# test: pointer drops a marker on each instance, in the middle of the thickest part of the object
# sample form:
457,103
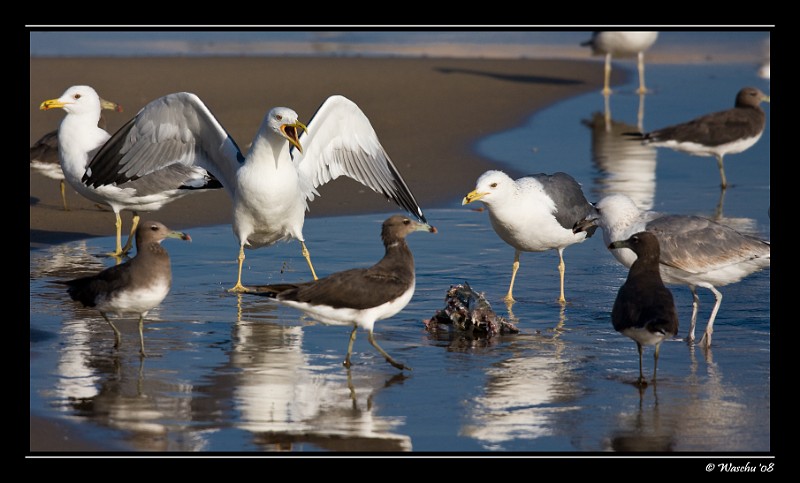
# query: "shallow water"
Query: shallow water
238,373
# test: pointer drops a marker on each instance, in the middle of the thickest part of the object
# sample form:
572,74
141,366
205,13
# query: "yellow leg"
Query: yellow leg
132,235
384,354
509,297
607,76
561,269
118,226
64,195
346,362
141,336
305,253
239,288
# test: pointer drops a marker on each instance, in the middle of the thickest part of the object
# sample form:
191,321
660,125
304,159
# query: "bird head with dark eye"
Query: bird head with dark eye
487,183
284,121
644,244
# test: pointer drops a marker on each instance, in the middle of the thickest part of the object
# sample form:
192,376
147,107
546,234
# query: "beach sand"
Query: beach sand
428,113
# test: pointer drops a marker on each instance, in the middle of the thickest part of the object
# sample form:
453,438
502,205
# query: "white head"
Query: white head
283,122
79,100
617,210
491,185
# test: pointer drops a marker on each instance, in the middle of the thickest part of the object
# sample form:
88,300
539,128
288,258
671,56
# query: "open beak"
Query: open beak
291,131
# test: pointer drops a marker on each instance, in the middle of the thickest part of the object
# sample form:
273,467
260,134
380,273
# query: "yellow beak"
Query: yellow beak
51,104
291,131
472,196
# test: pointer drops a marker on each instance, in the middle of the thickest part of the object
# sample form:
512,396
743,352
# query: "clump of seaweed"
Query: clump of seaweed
469,313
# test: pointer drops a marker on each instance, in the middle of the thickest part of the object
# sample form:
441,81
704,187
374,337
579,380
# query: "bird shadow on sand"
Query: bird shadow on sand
528,79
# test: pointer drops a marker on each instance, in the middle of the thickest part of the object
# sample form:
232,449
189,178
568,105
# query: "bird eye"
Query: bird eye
154,227
406,221
279,117
76,96
493,185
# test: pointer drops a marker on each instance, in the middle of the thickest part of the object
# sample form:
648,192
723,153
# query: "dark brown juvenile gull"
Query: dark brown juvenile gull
716,134
695,251
44,152
644,309
533,214
621,43
360,296
79,140
133,287
272,185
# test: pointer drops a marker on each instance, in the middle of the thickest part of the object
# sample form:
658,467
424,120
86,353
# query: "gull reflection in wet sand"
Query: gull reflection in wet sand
113,389
291,400
706,415
624,165
525,394
65,261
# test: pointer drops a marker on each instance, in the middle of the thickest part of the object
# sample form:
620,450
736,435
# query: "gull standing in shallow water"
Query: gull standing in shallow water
533,214
644,309
716,134
80,140
621,43
360,296
136,286
694,251
272,185
45,159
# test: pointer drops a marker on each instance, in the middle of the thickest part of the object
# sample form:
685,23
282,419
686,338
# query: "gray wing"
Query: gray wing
177,129
696,245
568,196
341,141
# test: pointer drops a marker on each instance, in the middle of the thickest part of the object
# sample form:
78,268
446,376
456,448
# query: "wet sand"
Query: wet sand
427,112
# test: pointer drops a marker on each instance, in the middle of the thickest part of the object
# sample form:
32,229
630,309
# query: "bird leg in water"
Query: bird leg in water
695,307
346,362
371,338
141,336
722,172
307,256
117,335
705,341
387,356
510,298
561,269
642,381
642,89
239,288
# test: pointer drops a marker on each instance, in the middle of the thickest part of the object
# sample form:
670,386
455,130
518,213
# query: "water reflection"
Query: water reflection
525,393
643,430
65,261
288,399
117,392
623,165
